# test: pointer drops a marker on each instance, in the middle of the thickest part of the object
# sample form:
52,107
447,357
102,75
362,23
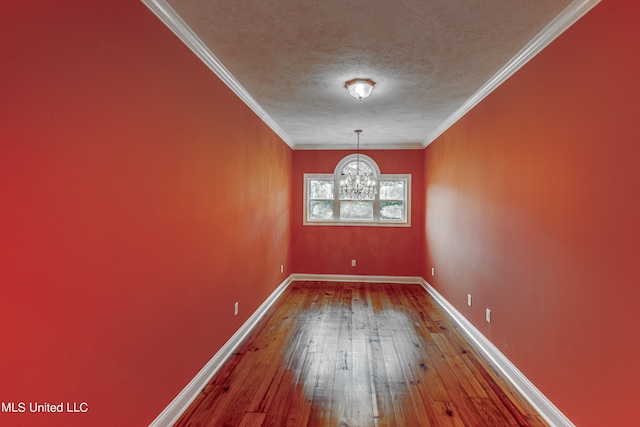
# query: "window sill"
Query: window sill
357,223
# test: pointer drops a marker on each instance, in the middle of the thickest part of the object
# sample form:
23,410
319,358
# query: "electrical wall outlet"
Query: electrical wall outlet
353,263
281,268
433,271
469,300
235,309
488,316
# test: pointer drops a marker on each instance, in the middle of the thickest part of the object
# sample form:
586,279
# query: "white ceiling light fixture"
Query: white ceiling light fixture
360,88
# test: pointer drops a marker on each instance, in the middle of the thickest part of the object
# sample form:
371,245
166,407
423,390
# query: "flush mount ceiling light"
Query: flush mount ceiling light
360,88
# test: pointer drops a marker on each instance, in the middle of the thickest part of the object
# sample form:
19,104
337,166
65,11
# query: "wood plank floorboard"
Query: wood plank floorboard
357,355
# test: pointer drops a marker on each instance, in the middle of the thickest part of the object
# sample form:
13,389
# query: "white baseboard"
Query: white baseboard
356,278
545,408
172,413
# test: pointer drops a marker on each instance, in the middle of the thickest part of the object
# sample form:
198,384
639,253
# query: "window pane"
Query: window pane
356,210
321,209
321,189
392,211
392,190
351,167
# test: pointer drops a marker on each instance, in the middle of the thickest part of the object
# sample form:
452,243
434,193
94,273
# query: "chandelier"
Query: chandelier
357,184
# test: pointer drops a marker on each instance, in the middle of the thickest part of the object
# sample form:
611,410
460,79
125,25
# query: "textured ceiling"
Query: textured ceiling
428,57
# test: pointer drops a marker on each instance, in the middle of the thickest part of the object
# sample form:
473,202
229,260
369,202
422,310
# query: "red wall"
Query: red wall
533,207
140,200
378,250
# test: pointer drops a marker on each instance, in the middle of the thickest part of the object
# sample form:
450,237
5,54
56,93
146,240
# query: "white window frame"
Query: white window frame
336,177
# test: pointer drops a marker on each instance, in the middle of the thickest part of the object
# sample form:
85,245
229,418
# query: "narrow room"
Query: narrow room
424,213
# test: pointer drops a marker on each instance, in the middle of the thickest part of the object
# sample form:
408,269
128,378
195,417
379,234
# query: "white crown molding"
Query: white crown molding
566,19
181,402
175,23
401,146
539,401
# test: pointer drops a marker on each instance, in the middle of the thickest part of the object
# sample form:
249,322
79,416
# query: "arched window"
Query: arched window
326,203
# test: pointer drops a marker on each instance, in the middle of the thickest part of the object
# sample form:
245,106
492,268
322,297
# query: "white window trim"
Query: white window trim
335,176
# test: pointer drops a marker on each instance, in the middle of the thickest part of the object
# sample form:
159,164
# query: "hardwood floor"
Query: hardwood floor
356,354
